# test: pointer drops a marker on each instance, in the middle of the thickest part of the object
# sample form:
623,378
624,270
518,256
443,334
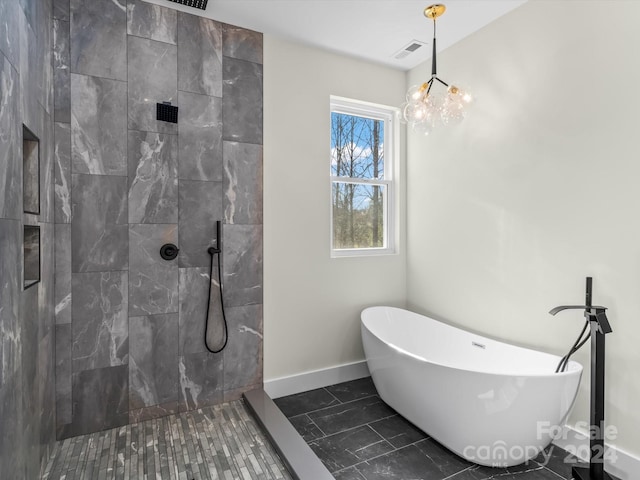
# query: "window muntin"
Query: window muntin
361,173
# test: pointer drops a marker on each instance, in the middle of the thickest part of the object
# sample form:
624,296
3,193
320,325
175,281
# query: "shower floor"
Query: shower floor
358,437
219,442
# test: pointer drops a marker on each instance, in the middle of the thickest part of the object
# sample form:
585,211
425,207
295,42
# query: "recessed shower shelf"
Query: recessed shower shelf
31,172
31,245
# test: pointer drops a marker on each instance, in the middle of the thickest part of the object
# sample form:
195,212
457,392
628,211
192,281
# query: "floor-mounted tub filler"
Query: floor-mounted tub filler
490,402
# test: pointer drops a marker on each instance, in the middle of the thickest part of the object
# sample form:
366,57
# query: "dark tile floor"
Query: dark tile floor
358,437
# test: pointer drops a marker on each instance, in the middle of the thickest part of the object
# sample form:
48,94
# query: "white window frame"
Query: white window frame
390,117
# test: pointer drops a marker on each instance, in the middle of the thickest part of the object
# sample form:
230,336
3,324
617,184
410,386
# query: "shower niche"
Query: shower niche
31,206
31,245
30,172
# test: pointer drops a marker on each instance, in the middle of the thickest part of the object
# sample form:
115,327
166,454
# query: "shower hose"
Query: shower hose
213,252
562,366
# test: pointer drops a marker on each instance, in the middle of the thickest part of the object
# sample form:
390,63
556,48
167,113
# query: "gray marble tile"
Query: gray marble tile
242,183
62,172
153,177
47,163
242,265
200,205
62,295
100,323
153,281
353,390
200,130
99,231
241,43
61,72
243,354
306,402
100,399
10,283
46,293
63,374
200,55
345,449
9,31
10,143
398,431
194,291
31,162
29,103
152,80
242,101
61,10
154,411
348,415
99,38
152,21
201,380
12,459
98,132
305,427
153,362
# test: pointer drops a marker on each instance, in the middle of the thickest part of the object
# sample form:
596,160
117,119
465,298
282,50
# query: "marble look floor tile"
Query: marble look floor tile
308,430
353,390
484,473
305,402
221,442
350,473
410,463
557,460
398,431
347,448
348,415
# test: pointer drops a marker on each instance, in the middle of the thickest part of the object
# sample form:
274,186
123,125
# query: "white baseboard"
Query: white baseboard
617,462
302,382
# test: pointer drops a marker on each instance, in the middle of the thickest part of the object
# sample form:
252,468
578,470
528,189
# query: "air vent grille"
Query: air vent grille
408,49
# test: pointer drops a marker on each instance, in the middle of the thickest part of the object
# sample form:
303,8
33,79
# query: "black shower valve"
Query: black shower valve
169,251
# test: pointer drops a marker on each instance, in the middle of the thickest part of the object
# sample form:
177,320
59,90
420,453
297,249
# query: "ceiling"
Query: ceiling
373,30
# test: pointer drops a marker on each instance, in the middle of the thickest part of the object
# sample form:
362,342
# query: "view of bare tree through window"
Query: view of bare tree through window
357,159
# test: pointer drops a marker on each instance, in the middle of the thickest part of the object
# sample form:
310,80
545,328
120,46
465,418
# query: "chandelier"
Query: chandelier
425,108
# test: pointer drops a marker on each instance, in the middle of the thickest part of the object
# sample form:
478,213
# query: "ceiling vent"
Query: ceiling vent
411,47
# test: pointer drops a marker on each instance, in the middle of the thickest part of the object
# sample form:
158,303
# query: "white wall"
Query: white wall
312,302
537,189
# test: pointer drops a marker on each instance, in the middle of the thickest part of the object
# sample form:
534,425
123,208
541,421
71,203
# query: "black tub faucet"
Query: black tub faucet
593,313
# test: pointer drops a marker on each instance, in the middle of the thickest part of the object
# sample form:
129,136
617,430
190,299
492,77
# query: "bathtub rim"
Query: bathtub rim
575,368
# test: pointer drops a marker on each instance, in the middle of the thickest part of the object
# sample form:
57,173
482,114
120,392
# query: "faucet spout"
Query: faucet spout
555,310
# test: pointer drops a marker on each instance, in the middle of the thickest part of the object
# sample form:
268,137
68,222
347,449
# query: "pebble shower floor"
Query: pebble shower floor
219,442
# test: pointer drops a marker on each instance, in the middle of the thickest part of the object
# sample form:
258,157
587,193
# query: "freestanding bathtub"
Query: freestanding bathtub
492,403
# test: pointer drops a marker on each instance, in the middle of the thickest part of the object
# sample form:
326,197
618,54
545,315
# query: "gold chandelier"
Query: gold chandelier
425,108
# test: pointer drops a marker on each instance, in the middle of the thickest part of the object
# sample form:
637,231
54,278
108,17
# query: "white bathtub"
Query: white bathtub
490,402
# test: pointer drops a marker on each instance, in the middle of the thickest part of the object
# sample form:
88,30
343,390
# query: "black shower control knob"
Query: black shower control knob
169,251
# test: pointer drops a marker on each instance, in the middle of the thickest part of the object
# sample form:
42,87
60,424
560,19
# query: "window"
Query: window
363,138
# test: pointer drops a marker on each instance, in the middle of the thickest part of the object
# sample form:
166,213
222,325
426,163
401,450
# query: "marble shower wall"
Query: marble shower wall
27,412
129,325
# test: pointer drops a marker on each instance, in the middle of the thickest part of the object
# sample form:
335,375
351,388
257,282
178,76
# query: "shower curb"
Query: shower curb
297,456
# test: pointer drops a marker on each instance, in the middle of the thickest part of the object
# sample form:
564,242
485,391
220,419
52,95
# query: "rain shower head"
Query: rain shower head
201,4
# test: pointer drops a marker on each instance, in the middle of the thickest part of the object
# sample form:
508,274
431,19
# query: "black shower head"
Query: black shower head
201,4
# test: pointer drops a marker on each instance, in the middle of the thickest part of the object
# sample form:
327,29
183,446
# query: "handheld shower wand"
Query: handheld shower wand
213,252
